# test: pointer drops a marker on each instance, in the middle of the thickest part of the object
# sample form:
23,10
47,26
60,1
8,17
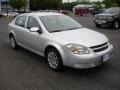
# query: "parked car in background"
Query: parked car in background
2,14
60,39
110,18
64,11
11,14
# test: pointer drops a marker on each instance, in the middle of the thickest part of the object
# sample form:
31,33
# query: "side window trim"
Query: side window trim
26,22
35,19
18,18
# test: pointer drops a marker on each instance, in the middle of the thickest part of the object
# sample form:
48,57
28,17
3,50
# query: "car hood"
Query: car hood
106,14
83,36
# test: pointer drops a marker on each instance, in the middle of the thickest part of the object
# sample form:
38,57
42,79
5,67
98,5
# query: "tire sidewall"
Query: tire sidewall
60,64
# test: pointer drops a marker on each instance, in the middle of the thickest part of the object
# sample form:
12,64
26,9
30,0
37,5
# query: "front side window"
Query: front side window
56,23
32,22
20,21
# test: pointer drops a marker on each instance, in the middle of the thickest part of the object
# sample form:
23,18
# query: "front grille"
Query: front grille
100,47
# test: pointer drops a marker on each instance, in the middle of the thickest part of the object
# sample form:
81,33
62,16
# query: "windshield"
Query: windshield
113,10
57,23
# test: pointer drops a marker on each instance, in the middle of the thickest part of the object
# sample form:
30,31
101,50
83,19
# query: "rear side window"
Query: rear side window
32,22
20,21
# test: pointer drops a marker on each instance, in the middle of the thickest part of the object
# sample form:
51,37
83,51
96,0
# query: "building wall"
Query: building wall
0,6
3,7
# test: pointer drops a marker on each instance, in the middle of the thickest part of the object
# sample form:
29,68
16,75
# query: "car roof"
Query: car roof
42,14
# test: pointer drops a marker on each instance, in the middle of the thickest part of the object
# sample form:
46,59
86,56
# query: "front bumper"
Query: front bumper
88,60
103,22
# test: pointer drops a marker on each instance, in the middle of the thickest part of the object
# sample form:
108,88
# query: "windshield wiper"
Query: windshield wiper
57,31
74,28
65,29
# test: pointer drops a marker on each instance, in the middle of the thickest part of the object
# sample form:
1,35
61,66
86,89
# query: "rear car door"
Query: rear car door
20,29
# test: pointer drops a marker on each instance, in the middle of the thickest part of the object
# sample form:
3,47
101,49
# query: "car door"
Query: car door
20,30
34,40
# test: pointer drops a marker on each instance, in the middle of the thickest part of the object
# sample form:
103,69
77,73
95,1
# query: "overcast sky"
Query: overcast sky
75,0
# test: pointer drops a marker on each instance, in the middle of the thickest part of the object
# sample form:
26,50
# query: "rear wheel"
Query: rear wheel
13,43
54,59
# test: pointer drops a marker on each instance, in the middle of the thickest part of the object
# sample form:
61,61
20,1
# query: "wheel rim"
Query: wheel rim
116,25
52,60
12,41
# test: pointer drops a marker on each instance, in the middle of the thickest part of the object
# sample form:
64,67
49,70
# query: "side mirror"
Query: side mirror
35,29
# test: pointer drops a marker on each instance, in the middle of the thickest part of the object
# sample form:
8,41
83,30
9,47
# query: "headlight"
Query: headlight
110,18
77,49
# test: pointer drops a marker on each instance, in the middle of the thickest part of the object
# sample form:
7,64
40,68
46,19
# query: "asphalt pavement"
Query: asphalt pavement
23,70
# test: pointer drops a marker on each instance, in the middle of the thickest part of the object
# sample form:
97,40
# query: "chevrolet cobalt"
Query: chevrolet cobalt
60,39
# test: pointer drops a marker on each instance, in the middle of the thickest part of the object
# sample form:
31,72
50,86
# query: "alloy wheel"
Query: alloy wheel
52,60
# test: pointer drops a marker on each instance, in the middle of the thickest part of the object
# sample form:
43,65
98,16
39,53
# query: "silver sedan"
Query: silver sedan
60,39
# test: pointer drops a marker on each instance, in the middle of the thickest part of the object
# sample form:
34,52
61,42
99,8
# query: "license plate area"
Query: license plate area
105,57
100,22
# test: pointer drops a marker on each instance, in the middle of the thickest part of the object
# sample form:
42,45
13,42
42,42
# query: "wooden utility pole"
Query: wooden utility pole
59,5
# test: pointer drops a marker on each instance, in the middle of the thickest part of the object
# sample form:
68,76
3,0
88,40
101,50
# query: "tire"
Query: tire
54,59
13,42
98,26
116,25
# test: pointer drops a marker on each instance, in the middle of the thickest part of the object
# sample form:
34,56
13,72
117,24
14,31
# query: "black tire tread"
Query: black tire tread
60,63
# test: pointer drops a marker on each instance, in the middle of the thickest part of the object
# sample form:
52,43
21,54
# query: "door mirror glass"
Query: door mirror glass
34,29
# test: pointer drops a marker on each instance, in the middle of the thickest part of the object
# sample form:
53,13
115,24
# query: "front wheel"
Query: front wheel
98,26
54,59
116,25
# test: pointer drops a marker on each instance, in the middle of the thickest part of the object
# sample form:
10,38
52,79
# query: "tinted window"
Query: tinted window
32,22
20,21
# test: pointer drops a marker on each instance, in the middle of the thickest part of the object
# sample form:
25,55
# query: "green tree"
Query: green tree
69,6
45,4
118,2
115,5
110,3
98,5
18,4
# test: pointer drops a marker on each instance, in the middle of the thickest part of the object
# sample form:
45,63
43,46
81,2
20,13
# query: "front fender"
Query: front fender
12,32
59,47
